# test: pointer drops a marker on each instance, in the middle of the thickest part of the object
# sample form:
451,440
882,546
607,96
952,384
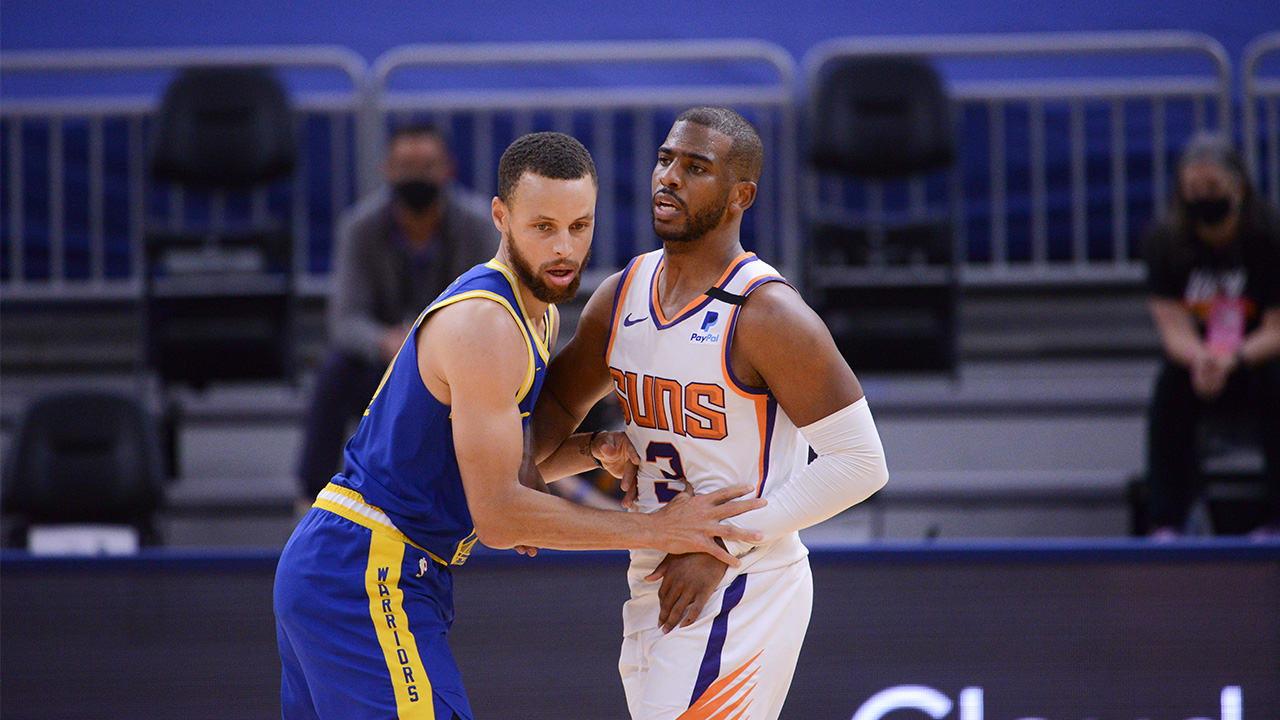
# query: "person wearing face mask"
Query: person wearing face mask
1213,268
395,251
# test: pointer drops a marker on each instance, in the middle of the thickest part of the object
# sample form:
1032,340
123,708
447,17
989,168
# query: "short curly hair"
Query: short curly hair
548,154
746,151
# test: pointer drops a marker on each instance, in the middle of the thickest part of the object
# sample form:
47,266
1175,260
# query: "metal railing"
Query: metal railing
1057,192
113,256
1262,98
621,123
1052,199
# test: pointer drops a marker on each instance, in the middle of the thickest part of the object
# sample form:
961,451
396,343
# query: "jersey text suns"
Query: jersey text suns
692,410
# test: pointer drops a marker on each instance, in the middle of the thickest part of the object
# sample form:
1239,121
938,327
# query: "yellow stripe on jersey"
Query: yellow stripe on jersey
553,324
386,609
464,549
350,504
527,335
387,373
515,290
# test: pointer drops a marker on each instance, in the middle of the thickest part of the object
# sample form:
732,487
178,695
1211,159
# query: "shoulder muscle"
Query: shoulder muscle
474,345
780,343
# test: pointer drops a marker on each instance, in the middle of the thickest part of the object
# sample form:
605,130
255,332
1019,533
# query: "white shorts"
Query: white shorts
736,661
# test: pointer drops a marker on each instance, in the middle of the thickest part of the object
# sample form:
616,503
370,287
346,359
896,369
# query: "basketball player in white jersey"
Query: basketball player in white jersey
725,376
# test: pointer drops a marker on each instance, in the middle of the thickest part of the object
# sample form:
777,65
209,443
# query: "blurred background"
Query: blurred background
168,251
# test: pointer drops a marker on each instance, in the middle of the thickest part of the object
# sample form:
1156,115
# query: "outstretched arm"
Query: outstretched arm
781,344
821,395
472,356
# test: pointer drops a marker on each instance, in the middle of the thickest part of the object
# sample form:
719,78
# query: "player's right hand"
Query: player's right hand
691,523
688,581
619,458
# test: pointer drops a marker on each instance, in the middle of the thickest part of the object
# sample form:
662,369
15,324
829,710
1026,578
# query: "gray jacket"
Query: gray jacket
378,284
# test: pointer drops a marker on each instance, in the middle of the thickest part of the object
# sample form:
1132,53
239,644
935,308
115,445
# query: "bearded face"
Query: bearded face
535,279
698,221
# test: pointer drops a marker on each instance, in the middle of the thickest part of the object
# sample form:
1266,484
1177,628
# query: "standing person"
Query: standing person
396,250
725,375
1213,269
364,589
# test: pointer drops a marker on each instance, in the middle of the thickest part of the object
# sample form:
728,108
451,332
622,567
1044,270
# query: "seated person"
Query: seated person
1213,268
395,250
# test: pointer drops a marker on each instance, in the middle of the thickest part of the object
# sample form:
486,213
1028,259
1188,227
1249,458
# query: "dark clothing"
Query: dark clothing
344,385
1173,452
1226,291
1181,268
380,282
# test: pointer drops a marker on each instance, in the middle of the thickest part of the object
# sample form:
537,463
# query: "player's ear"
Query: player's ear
743,195
501,215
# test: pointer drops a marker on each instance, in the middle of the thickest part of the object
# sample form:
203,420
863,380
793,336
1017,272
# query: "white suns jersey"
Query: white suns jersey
692,421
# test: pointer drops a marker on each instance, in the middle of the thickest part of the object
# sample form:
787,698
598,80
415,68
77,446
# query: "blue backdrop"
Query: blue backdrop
371,28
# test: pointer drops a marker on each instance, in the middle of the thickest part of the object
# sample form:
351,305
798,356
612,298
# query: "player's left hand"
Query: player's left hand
688,581
527,550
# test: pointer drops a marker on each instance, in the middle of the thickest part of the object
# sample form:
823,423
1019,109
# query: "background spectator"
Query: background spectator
397,249
1214,273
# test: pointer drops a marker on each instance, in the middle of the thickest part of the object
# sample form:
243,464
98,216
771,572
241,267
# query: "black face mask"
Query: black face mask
417,195
1209,211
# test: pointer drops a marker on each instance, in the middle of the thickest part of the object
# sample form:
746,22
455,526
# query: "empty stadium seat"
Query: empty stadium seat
882,119
219,301
88,458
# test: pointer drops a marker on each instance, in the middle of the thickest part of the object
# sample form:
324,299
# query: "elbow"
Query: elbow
494,537
493,530
493,533
880,478
873,474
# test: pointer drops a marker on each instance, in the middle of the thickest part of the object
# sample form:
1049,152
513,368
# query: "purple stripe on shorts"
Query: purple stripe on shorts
710,669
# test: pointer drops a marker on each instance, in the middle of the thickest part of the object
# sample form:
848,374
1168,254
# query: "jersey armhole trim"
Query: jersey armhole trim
726,362
619,295
543,350
525,331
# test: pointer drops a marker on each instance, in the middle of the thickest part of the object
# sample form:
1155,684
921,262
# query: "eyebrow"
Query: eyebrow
588,216
696,156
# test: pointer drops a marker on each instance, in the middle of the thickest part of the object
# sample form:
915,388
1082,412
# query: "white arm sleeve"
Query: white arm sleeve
849,469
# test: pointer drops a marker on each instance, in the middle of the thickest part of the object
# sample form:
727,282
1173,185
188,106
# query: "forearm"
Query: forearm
554,448
1263,344
535,519
1181,345
1178,336
573,456
849,469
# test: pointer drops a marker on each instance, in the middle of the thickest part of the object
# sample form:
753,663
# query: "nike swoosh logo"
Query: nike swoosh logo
627,321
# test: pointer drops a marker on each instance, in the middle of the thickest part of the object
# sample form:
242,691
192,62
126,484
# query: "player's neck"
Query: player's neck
689,269
535,309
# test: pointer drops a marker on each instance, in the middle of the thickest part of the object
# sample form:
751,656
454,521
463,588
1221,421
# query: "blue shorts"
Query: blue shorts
362,620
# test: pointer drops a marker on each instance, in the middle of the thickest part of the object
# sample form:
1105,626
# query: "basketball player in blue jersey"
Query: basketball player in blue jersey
364,588
725,376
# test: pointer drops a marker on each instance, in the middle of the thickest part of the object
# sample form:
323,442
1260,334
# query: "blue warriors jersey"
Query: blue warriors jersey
401,459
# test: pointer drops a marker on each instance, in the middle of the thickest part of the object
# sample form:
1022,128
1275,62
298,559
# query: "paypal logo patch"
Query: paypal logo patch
704,334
